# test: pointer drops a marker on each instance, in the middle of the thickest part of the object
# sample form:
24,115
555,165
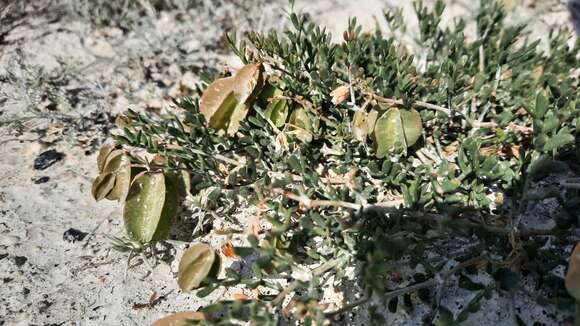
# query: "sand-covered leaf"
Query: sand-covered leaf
144,205
103,185
573,274
180,318
195,265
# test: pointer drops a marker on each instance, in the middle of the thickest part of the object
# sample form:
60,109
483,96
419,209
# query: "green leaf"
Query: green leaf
541,105
562,138
144,206
195,265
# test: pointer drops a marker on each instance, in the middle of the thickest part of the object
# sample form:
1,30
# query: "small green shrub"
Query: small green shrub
372,166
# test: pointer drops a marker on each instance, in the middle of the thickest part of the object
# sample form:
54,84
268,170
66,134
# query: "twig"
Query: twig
394,207
412,288
425,105
315,272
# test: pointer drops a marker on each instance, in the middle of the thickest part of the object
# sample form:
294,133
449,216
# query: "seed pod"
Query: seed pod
277,112
170,206
143,207
180,318
103,185
196,264
396,130
182,180
226,101
302,123
120,167
103,154
359,126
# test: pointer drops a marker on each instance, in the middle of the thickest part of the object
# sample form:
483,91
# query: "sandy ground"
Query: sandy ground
62,81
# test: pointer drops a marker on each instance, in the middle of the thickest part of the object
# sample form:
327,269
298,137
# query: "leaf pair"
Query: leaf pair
115,174
393,132
197,263
152,204
226,101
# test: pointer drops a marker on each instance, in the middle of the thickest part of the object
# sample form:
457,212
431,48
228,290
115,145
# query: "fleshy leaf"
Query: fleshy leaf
195,265
103,185
144,205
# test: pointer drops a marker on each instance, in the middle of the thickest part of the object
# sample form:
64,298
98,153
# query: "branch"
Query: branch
315,272
425,105
395,207
411,288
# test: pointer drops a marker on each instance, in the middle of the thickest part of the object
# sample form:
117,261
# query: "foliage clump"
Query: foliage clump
371,165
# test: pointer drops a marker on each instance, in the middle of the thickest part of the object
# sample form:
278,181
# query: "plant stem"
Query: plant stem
411,288
315,272
425,105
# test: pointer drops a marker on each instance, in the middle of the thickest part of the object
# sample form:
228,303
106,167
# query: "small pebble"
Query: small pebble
41,180
46,159
74,235
20,260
